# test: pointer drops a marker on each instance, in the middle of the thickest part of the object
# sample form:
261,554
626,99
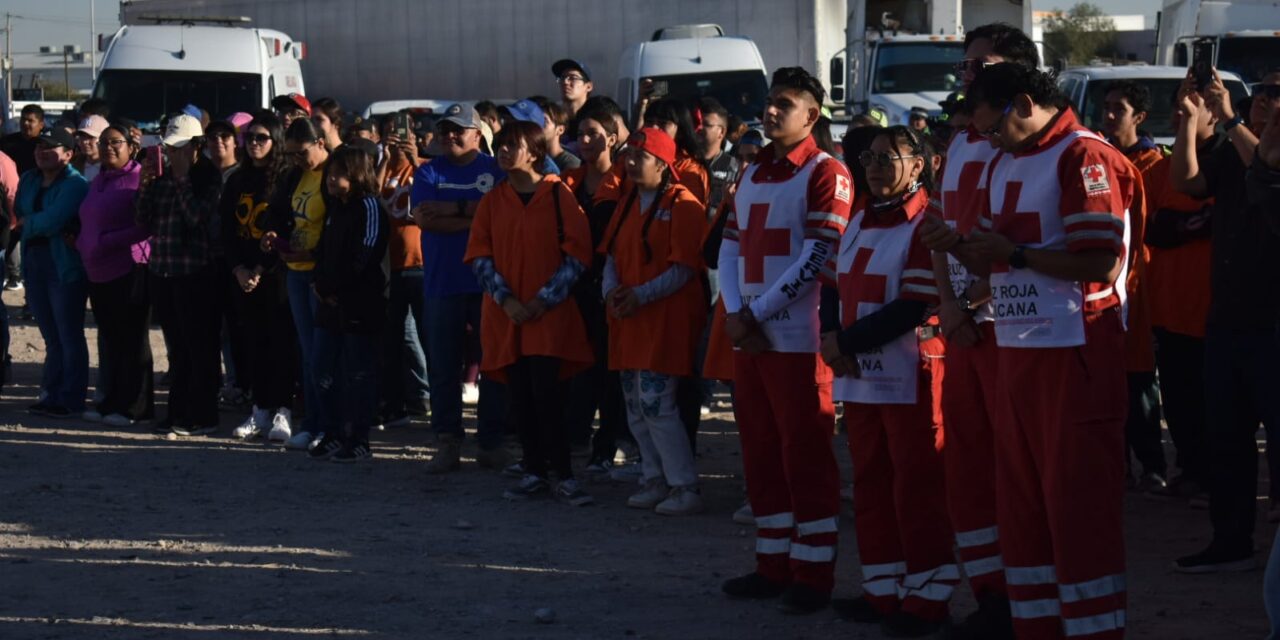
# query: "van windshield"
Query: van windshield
1249,58
914,67
1159,122
146,96
741,92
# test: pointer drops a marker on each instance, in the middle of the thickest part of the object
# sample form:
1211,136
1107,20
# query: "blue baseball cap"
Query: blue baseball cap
527,111
193,111
752,136
567,64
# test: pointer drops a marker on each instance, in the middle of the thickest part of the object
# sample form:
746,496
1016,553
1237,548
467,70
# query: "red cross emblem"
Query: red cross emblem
1022,227
760,242
858,286
953,208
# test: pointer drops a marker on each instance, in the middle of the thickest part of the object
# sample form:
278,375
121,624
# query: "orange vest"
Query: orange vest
1139,348
661,336
524,242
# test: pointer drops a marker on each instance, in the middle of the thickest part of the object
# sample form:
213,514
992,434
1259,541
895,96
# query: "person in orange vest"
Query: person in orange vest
657,309
1124,108
888,360
529,243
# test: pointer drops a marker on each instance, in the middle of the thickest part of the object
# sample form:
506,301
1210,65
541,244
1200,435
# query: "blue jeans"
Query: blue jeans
447,340
404,367
346,373
58,308
302,302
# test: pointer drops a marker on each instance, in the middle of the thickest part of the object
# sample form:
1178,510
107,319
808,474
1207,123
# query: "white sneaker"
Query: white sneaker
281,430
117,420
744,515
470,393
91,416
300,441
683,501
655,490
248,429
627,473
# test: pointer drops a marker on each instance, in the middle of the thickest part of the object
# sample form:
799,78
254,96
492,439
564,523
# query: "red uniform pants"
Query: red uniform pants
786,421
969,402
900,508
1060,468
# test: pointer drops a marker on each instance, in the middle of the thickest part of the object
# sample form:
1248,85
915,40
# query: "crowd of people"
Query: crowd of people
1006,304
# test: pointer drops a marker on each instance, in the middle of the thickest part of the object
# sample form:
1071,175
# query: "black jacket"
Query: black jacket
242,212
352,266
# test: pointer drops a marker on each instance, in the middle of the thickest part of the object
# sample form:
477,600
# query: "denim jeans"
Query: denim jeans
58,308
404,371
4,333
447,320
346,374
302,302
1240,378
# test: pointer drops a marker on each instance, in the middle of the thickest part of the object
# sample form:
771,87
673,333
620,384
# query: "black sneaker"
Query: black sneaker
326,448
514,470
857,610
1217,559
570,492
40,408
752,586
992,621
55,411
194,430
529,486
162,427
906,625
802,599
352,453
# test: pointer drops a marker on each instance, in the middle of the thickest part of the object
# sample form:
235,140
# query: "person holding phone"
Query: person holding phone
260,296
178,208
295,219
657,311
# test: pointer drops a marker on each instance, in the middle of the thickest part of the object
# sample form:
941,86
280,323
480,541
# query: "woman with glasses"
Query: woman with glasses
114,249
888,359
260,297
177,203
295,218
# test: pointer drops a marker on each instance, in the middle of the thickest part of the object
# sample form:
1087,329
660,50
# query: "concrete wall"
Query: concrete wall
372,50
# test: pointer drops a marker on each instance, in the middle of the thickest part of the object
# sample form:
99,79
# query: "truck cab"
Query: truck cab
150,71
1246,34
692,61
905,71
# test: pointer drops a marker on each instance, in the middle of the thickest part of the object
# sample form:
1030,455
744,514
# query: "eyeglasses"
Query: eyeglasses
972,65
570,79
257,138
995,128
884,159
111,144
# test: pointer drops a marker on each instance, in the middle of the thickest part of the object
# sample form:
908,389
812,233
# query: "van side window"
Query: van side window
1180,54
271,89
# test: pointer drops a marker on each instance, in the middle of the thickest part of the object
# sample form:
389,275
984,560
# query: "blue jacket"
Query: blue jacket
60,213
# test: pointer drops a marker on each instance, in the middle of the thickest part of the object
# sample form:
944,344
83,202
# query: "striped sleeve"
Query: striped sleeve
830,199
1097,191
918,282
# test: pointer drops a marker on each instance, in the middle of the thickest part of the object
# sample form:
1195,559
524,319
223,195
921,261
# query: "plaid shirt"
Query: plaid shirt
180,221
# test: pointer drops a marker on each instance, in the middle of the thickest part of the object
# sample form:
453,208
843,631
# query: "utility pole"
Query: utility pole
93,41
8,66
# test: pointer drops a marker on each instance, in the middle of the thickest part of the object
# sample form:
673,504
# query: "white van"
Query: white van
153,70
709,63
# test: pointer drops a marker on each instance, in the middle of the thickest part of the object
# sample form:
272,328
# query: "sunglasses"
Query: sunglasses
972,64
257,138
883,159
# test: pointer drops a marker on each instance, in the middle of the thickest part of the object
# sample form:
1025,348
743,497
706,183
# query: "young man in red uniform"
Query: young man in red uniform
969,395
790,208
1055,248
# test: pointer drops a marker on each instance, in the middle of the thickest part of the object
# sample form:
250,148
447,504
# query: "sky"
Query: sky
59,22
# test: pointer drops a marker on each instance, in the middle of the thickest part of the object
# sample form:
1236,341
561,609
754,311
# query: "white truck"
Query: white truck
155,68
1246,34
902,54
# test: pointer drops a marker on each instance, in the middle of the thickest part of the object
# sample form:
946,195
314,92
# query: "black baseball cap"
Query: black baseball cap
57,137
569,64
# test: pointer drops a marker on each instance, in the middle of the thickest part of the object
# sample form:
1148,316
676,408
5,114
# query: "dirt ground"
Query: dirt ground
123,534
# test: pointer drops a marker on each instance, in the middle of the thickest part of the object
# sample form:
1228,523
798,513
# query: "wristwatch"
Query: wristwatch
966,305
1018,259
1233,123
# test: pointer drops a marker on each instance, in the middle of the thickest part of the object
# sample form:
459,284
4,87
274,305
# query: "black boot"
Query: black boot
907,625
992,621
753,586
801,599
857,610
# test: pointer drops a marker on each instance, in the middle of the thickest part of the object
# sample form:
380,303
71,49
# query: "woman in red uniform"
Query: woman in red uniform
657,310
890,365
529,243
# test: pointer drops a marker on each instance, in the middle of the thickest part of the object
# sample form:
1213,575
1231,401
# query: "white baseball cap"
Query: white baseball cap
93,126
182,128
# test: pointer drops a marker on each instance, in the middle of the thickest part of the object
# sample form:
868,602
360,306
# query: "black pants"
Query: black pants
1241,380
187,307
12,257
1142,429
1180,361
597,388
537,408
264,327
125,347
236,337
